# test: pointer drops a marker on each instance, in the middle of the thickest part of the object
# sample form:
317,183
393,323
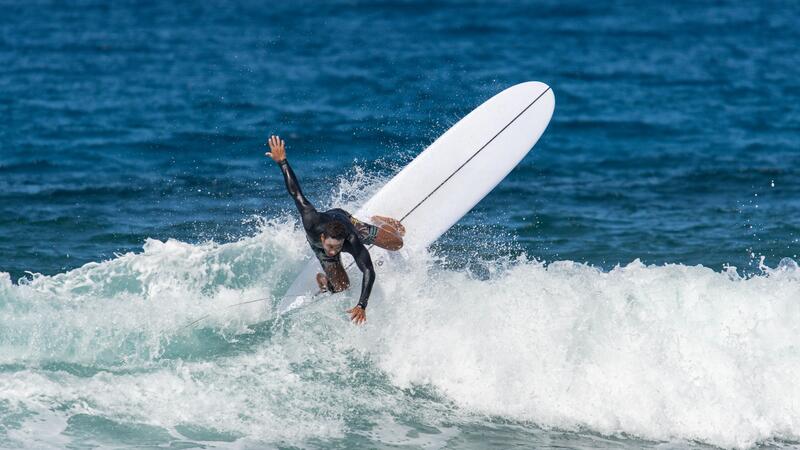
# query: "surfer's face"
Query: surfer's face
332,246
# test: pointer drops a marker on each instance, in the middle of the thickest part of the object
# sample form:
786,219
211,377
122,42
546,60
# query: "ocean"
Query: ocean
632,284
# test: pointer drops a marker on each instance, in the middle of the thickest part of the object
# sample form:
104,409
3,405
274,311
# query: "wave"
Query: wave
660,352
122,310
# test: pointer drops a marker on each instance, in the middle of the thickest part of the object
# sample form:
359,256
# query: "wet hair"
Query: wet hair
335,230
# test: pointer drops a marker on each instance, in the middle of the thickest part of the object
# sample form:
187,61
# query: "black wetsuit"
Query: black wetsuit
358,234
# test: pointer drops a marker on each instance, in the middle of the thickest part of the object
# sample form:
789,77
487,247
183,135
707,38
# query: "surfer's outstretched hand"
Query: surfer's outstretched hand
357,314
277,149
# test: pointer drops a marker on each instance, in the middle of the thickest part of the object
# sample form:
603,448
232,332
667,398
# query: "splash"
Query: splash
665,353
124,310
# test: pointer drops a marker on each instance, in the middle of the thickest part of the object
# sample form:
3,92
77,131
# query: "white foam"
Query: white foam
125,308
662,352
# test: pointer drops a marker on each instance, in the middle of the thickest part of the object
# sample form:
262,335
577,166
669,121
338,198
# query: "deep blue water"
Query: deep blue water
674,141
127,121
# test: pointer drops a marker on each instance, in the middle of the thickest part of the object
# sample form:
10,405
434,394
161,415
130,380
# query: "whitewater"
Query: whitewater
643,353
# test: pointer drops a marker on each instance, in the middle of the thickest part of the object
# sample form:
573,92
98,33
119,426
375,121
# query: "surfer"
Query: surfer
331,232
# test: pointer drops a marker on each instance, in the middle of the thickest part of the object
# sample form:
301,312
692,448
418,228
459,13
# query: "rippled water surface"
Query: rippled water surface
631,284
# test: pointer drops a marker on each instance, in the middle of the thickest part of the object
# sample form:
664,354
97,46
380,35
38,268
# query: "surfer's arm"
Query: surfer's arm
303,205
278,154
364,263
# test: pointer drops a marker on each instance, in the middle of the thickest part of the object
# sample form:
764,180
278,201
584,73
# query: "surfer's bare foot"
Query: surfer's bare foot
322,281
393,225
390,233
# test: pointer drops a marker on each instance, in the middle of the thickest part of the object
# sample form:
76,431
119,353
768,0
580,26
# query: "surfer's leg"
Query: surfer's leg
334,279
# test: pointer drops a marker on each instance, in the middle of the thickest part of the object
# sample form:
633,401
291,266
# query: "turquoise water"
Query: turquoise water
632,284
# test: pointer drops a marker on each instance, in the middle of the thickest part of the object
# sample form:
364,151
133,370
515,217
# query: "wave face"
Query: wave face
529,351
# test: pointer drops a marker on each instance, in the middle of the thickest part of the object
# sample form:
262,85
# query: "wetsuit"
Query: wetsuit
358,234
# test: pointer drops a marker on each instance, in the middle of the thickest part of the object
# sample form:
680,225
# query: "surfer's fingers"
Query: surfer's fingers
354,317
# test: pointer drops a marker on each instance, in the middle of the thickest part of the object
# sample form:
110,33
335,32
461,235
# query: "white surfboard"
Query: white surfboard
451,176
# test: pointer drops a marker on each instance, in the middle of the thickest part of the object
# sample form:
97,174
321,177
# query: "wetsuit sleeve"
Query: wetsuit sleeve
307,211
364,262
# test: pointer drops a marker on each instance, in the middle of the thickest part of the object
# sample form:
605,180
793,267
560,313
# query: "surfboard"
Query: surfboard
450,177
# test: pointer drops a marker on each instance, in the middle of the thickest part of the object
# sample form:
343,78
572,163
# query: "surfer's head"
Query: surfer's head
332,238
